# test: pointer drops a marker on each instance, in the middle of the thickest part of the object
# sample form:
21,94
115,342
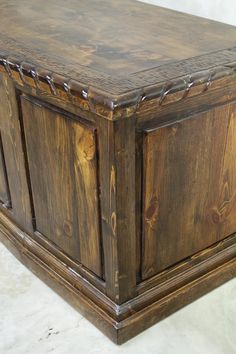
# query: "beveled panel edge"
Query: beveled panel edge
121,97
107,318
167,305
77,297
189,267
149,292
5,203
91,128
51,255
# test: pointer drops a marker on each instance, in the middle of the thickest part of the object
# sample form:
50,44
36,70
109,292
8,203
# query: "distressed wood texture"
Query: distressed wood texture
117,176
63,175
12,152
62,37
117,155
119,323
189,187
4,186
115,69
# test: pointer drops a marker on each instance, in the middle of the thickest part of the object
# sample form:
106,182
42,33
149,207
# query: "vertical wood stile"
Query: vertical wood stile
117,183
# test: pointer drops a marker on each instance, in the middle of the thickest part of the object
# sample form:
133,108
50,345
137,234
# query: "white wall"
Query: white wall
219,10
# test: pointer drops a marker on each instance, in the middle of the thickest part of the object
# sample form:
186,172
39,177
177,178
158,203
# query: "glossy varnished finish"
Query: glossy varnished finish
117,155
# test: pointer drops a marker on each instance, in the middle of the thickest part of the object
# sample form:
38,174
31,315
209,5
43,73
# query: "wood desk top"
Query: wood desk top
115,46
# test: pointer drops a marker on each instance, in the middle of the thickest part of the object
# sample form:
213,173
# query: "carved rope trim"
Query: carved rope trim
102,103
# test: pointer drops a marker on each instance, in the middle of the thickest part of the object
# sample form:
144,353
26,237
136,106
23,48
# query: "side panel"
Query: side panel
62,158
13,170
5,198
189,187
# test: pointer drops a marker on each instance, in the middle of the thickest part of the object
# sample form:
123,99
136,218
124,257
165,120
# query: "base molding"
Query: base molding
122,322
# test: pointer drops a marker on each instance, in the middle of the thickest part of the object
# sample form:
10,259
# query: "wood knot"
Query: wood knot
89,152
86,147
216,216
152,212
174,128
67,228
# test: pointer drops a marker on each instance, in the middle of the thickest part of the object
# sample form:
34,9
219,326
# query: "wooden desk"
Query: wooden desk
118,154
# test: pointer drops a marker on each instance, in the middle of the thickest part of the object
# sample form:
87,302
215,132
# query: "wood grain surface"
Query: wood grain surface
4,185
137,53
12,149
63,176
117,154
189,187
115,37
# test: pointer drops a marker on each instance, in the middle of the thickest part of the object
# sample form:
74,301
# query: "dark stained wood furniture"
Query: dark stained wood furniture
118,155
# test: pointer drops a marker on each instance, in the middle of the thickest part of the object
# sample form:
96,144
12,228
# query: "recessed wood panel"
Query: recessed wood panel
4,187
14,187
63,173
189,187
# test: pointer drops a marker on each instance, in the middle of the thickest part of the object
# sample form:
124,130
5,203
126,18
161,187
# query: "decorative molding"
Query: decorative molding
120,97
148,291
150,306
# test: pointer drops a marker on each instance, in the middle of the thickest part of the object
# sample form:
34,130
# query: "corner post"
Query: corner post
116,141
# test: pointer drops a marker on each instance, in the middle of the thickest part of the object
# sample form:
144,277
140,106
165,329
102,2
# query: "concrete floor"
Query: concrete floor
35,320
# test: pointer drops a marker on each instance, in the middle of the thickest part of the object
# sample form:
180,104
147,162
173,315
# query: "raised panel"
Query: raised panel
189,187
14,187
62,162
5,198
